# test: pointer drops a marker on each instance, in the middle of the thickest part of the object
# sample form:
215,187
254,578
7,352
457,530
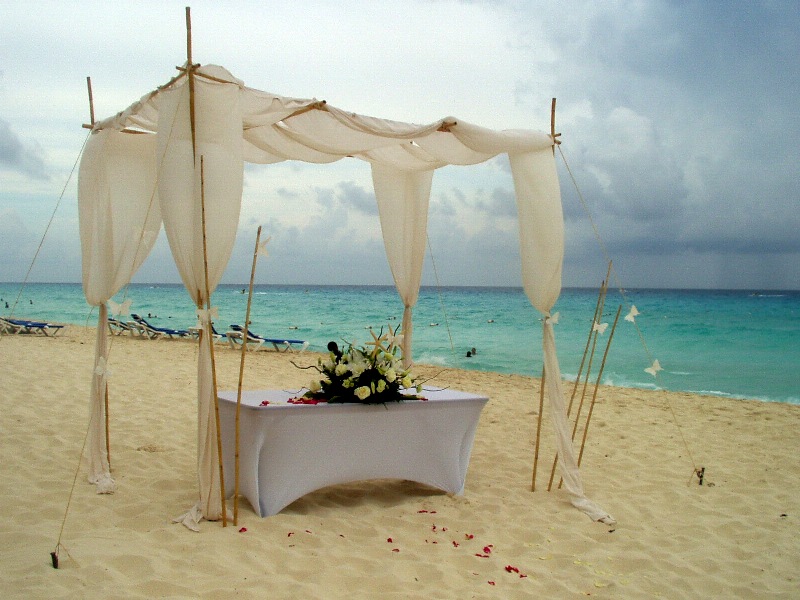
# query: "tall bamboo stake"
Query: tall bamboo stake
595,337
108,441
598,311
597,384
538,431
241,378
210,341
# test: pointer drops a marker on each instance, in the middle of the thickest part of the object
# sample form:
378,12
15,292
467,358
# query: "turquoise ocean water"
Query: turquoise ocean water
738,344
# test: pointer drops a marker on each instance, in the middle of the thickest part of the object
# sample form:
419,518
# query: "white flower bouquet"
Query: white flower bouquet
373,376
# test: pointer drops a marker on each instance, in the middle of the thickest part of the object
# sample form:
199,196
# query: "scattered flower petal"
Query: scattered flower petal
243,529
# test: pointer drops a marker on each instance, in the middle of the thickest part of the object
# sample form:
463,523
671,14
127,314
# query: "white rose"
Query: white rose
341,369
362,392
381,386
348,383
315,387
407,381
390,375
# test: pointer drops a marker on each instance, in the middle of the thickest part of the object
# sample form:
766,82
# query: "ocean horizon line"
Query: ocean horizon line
754,290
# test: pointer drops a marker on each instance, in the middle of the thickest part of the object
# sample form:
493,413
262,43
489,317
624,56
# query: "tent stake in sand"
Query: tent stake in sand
241,377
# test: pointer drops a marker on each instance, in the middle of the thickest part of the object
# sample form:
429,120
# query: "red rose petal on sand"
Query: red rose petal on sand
487,549
243,529
395,549
455,544
469,536
290,534
422,511
491,583
510,569
389,540
265,403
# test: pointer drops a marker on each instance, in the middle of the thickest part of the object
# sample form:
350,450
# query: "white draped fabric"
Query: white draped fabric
236,124
188,204
541,239
402,198
119,222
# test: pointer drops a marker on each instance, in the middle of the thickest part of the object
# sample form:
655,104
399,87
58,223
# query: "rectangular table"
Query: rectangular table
288,450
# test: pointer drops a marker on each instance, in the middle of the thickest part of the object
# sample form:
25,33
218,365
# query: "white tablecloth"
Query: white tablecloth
288,450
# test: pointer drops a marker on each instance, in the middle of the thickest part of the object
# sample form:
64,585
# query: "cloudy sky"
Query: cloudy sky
679,123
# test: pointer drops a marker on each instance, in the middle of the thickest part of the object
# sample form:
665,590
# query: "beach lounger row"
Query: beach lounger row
255,342
12,326
140,327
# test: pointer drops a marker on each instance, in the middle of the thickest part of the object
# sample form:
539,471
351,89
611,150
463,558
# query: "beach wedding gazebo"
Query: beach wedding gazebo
176,157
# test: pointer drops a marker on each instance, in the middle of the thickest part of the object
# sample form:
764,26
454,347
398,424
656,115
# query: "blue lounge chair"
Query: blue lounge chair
117,327
26,326
153,332
236,334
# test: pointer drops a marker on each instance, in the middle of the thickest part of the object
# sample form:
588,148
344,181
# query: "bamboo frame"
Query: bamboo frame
241,378
597,384
210,341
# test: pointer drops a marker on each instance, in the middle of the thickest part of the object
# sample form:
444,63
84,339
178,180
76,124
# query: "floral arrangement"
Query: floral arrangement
366,376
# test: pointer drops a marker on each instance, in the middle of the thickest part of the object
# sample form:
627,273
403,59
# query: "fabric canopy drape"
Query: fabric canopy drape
119,222
541,239
189,205
403,198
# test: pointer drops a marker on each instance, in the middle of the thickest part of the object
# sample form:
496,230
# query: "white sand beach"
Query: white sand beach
737,536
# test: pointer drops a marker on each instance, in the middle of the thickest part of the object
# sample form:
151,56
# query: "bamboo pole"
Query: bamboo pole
91,100
597,312
597,384
538,431
190,74
241,378
108,440
210,341
596,336
553,124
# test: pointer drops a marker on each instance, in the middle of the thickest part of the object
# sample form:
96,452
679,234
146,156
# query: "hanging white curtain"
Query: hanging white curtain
218,135
119,222
403,198
541,241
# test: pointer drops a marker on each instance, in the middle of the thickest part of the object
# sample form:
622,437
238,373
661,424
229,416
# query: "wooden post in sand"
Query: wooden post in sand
241,377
